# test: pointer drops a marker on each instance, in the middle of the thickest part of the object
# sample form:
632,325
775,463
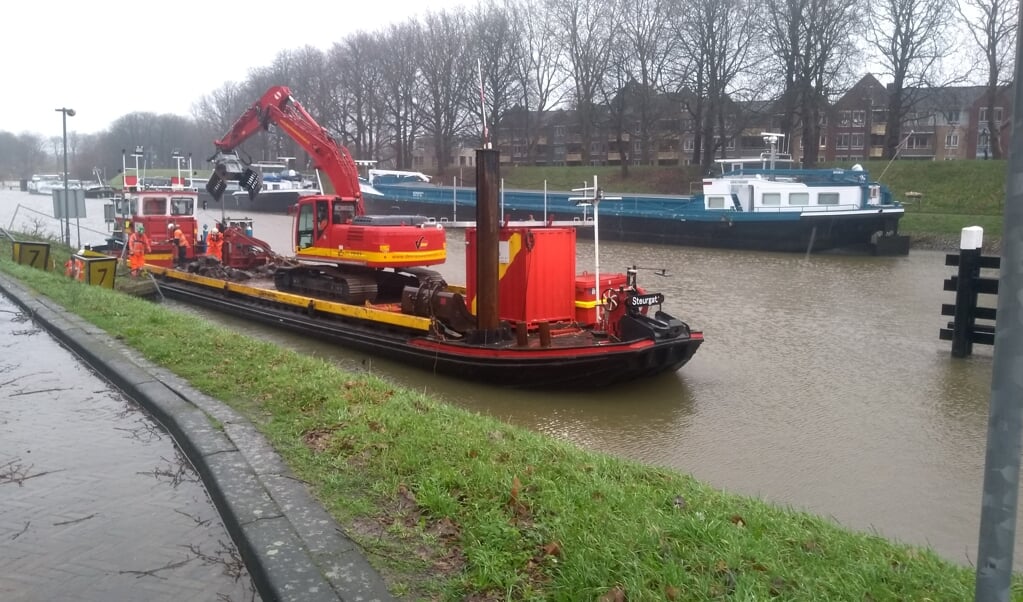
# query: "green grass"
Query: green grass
451,505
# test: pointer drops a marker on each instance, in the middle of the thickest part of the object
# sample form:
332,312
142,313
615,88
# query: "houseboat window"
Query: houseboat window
771,198
715,202
799,198
182,205
154,206
827,198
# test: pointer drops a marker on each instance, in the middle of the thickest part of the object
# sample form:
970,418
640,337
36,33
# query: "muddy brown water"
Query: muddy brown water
822,385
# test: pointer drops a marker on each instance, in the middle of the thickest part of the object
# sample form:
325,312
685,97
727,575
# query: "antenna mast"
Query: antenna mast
483,106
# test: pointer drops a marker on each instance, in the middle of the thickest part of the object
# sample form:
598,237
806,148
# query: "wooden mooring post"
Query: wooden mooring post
963,330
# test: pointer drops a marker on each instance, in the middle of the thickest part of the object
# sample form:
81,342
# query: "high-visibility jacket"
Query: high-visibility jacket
181,238
215,245
138,244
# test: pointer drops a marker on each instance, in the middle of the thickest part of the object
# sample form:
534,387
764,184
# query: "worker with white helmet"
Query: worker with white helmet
178,237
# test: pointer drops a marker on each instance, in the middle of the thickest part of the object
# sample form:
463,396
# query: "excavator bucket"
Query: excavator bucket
251,182
228,167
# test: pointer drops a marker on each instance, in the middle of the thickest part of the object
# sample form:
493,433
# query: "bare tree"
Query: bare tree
401,88
21,155
909,37
220,108
447,74
587,27
356,65
720,36
812,51
648,46
618,94
539,68
995,35
494,36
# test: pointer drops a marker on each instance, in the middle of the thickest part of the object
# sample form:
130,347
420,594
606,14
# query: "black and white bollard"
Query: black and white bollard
970,242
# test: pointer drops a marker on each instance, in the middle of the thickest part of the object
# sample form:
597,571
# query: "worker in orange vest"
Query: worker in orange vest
138,246
80,268
215,244
178,237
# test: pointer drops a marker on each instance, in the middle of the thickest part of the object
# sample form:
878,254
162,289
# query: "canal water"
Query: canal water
822,384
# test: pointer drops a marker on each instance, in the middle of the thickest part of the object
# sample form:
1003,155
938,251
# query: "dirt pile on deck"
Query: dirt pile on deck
211,268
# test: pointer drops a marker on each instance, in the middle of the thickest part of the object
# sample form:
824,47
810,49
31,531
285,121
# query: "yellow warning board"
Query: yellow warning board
99,269
34,254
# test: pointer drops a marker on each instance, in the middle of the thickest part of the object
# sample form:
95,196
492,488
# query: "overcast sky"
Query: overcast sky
107,58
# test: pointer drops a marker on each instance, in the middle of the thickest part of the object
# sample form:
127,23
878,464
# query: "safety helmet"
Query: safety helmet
170,226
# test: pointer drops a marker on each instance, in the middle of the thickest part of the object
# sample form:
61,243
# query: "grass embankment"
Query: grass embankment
454,505
954,194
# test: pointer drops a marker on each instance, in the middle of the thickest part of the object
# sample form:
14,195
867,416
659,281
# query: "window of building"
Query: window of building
952,141
689,143
918,141
842,141
827,198
771,198
998,114
824,141
858,117
856,141
799,198
952,116
843,118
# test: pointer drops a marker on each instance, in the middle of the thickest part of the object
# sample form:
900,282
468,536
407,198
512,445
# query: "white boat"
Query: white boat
45,183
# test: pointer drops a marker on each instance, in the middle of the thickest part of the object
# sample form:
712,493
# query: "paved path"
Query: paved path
96,502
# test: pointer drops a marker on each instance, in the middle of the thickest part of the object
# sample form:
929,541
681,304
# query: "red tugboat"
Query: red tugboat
525,318
156,206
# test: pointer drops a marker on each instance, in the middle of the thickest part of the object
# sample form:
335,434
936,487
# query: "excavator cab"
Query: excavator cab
229,166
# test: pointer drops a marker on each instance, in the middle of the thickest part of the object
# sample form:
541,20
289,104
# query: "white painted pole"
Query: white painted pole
596,252
545,201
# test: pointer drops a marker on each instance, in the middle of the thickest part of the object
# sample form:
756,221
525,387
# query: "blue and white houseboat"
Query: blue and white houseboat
760,203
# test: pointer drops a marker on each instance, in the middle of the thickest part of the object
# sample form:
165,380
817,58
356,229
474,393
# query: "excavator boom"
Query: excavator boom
279,108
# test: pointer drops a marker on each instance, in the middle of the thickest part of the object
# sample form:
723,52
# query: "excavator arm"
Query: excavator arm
277,107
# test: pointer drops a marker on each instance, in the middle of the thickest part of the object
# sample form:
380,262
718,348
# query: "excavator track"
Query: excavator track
355,286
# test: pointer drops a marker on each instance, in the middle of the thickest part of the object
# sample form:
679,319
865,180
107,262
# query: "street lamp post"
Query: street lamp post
65,113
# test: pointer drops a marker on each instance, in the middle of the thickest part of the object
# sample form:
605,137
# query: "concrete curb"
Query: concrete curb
292,547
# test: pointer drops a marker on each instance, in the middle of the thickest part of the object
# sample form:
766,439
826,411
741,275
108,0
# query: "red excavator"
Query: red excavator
344,254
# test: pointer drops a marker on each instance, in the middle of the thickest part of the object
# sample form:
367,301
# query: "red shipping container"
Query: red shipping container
536,271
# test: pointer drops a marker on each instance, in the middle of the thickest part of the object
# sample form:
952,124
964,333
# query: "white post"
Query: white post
971,237
545,202
454,199
501,220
